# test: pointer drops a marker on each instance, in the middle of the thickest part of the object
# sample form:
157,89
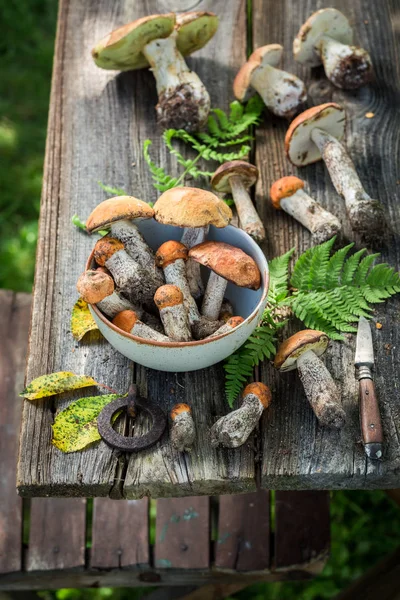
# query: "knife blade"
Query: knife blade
370,419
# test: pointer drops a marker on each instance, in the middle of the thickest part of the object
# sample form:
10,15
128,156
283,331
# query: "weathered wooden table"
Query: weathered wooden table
98,122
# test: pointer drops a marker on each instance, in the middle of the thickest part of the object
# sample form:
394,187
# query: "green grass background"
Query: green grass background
365,525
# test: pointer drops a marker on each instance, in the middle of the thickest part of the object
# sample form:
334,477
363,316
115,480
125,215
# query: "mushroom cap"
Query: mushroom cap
191,207
125,320
169,252
195,29
234,321
117,209
260,390
299,147
179,409
168,295
284,187
327,21
248,174
228,262
94,286
266,55
302,341
105,248
122,48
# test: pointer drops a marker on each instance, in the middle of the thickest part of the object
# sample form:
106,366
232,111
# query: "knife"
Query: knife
370,419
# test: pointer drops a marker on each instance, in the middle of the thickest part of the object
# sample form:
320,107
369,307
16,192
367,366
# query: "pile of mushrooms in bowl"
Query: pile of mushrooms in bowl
174,288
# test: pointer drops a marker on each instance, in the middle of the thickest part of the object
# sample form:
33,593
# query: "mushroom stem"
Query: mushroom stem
365,214
213,296
191,237
321,223
227,327
320,390
183,101
281,92
183,432
347,67
129,277
115,303
234,429
226,311
175,273
250,222
142,330
173,313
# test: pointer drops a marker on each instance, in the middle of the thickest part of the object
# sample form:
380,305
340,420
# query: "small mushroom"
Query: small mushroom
227,263
288,194
159,41
96,287
315,134
226,311
128,320
302,351
173,313
194,209
117,214
183,432
326,38
129,276
281,92
236,177
234,429
227,327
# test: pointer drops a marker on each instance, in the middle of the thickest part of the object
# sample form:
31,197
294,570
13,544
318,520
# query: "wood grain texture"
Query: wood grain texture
297,452
14,325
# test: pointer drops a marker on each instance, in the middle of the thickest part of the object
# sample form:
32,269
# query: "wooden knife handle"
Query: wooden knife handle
370,418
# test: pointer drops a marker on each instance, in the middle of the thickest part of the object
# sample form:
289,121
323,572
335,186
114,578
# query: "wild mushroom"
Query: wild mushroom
98,288
173,313
117,214
183,101
302,351
227,327
315,134
281,92
194,209
183,432
326,38
129,276
236,177
227,263
128,320
226,311
234,429
288,194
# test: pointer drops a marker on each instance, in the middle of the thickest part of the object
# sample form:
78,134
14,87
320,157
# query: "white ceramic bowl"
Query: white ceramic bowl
190,356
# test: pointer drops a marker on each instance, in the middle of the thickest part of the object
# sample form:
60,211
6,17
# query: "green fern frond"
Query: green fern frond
278,278
113,191
161,180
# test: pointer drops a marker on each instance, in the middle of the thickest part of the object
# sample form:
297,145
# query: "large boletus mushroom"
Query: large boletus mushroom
326,38
161,41
302,351
281,92
97,287
316,134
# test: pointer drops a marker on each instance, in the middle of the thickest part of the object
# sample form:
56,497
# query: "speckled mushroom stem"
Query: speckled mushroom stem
213,296
192,237
321,390
183,101
227,327
173,313
282,92
234,429
226,311
115,303
347,67
142,330
175,273
250,222
183,431
366,215
130,278
321,223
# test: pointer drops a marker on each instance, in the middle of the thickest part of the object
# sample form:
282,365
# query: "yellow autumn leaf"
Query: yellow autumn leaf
76,426
81,319
56,383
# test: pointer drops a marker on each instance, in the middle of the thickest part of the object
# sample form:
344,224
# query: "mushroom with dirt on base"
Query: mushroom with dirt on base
288,194
326,38
169,301
227,327
236,177
281,92
315,134
302,351
97,287
161,41
128,320
183,432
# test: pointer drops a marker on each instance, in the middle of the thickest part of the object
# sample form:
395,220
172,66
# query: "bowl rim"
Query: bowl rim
139,340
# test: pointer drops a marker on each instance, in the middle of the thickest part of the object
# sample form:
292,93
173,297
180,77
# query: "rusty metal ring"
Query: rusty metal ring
129,444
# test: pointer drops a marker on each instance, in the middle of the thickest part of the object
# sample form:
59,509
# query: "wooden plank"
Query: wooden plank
183,533
120,533
302,529
297,453
57,534
14,324
243,542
